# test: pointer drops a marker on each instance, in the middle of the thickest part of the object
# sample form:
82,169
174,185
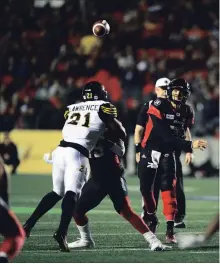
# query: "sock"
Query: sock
169,205
85,232
134,219
80,220
47,202
170,225
148,236
68,206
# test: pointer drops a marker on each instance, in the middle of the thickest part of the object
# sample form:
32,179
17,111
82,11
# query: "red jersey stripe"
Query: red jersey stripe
148,129
154,111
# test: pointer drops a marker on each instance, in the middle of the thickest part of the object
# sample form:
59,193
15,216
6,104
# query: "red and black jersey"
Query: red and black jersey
103,162
165,125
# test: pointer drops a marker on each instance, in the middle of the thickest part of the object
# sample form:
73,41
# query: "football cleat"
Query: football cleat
3,260
81,243
27,230
156,244
170,237
62,241
189,241
180,225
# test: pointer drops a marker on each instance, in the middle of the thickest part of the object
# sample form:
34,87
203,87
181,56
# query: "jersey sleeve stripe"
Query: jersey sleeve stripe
66,114
149,127
154,111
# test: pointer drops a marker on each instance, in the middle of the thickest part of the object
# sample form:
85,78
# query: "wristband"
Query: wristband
138,147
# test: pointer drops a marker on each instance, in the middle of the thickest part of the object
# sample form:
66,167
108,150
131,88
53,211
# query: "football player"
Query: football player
164,119
10,227
184,132
85,123
107,179
192,240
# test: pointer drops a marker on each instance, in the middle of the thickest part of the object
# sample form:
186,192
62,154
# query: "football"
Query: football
101,28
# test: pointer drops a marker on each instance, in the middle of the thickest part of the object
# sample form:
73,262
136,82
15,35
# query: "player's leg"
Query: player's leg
51,198
14,235
192,240
147,169
92,194
157,187
180,195
10,227
76,167
168,192
117,190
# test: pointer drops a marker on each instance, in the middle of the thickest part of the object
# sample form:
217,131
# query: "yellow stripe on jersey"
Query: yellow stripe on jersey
66,114
110,110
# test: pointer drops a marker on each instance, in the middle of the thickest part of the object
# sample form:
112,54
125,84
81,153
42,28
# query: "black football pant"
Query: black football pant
150,161
94,192
180,195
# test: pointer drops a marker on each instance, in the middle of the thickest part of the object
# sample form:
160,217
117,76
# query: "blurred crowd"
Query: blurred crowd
47,54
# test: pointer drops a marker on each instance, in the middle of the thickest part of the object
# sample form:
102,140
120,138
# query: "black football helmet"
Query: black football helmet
181,85
93,91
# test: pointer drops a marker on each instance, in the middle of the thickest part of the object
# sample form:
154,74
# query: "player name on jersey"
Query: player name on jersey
91,107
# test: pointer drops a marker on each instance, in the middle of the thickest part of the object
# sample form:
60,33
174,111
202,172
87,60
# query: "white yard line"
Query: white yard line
94,222
39,234
120,249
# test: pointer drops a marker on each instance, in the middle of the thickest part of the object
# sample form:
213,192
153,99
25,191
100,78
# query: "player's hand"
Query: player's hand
48,158
200,144
188,158
138,157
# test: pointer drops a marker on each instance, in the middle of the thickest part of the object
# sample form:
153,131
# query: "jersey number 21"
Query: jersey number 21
75,118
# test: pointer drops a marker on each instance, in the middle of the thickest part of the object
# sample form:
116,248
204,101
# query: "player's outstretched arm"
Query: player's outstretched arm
166,135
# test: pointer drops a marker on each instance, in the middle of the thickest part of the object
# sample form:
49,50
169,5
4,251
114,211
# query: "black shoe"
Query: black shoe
179,224
3,260
151,221
27,230
61,240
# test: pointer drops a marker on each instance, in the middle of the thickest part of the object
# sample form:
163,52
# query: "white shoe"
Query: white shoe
81,243
189,241
156,244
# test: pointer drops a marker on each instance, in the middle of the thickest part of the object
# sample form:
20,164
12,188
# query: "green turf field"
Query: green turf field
116,240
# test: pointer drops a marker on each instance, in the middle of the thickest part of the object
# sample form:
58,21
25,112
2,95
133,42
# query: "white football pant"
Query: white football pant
70,170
